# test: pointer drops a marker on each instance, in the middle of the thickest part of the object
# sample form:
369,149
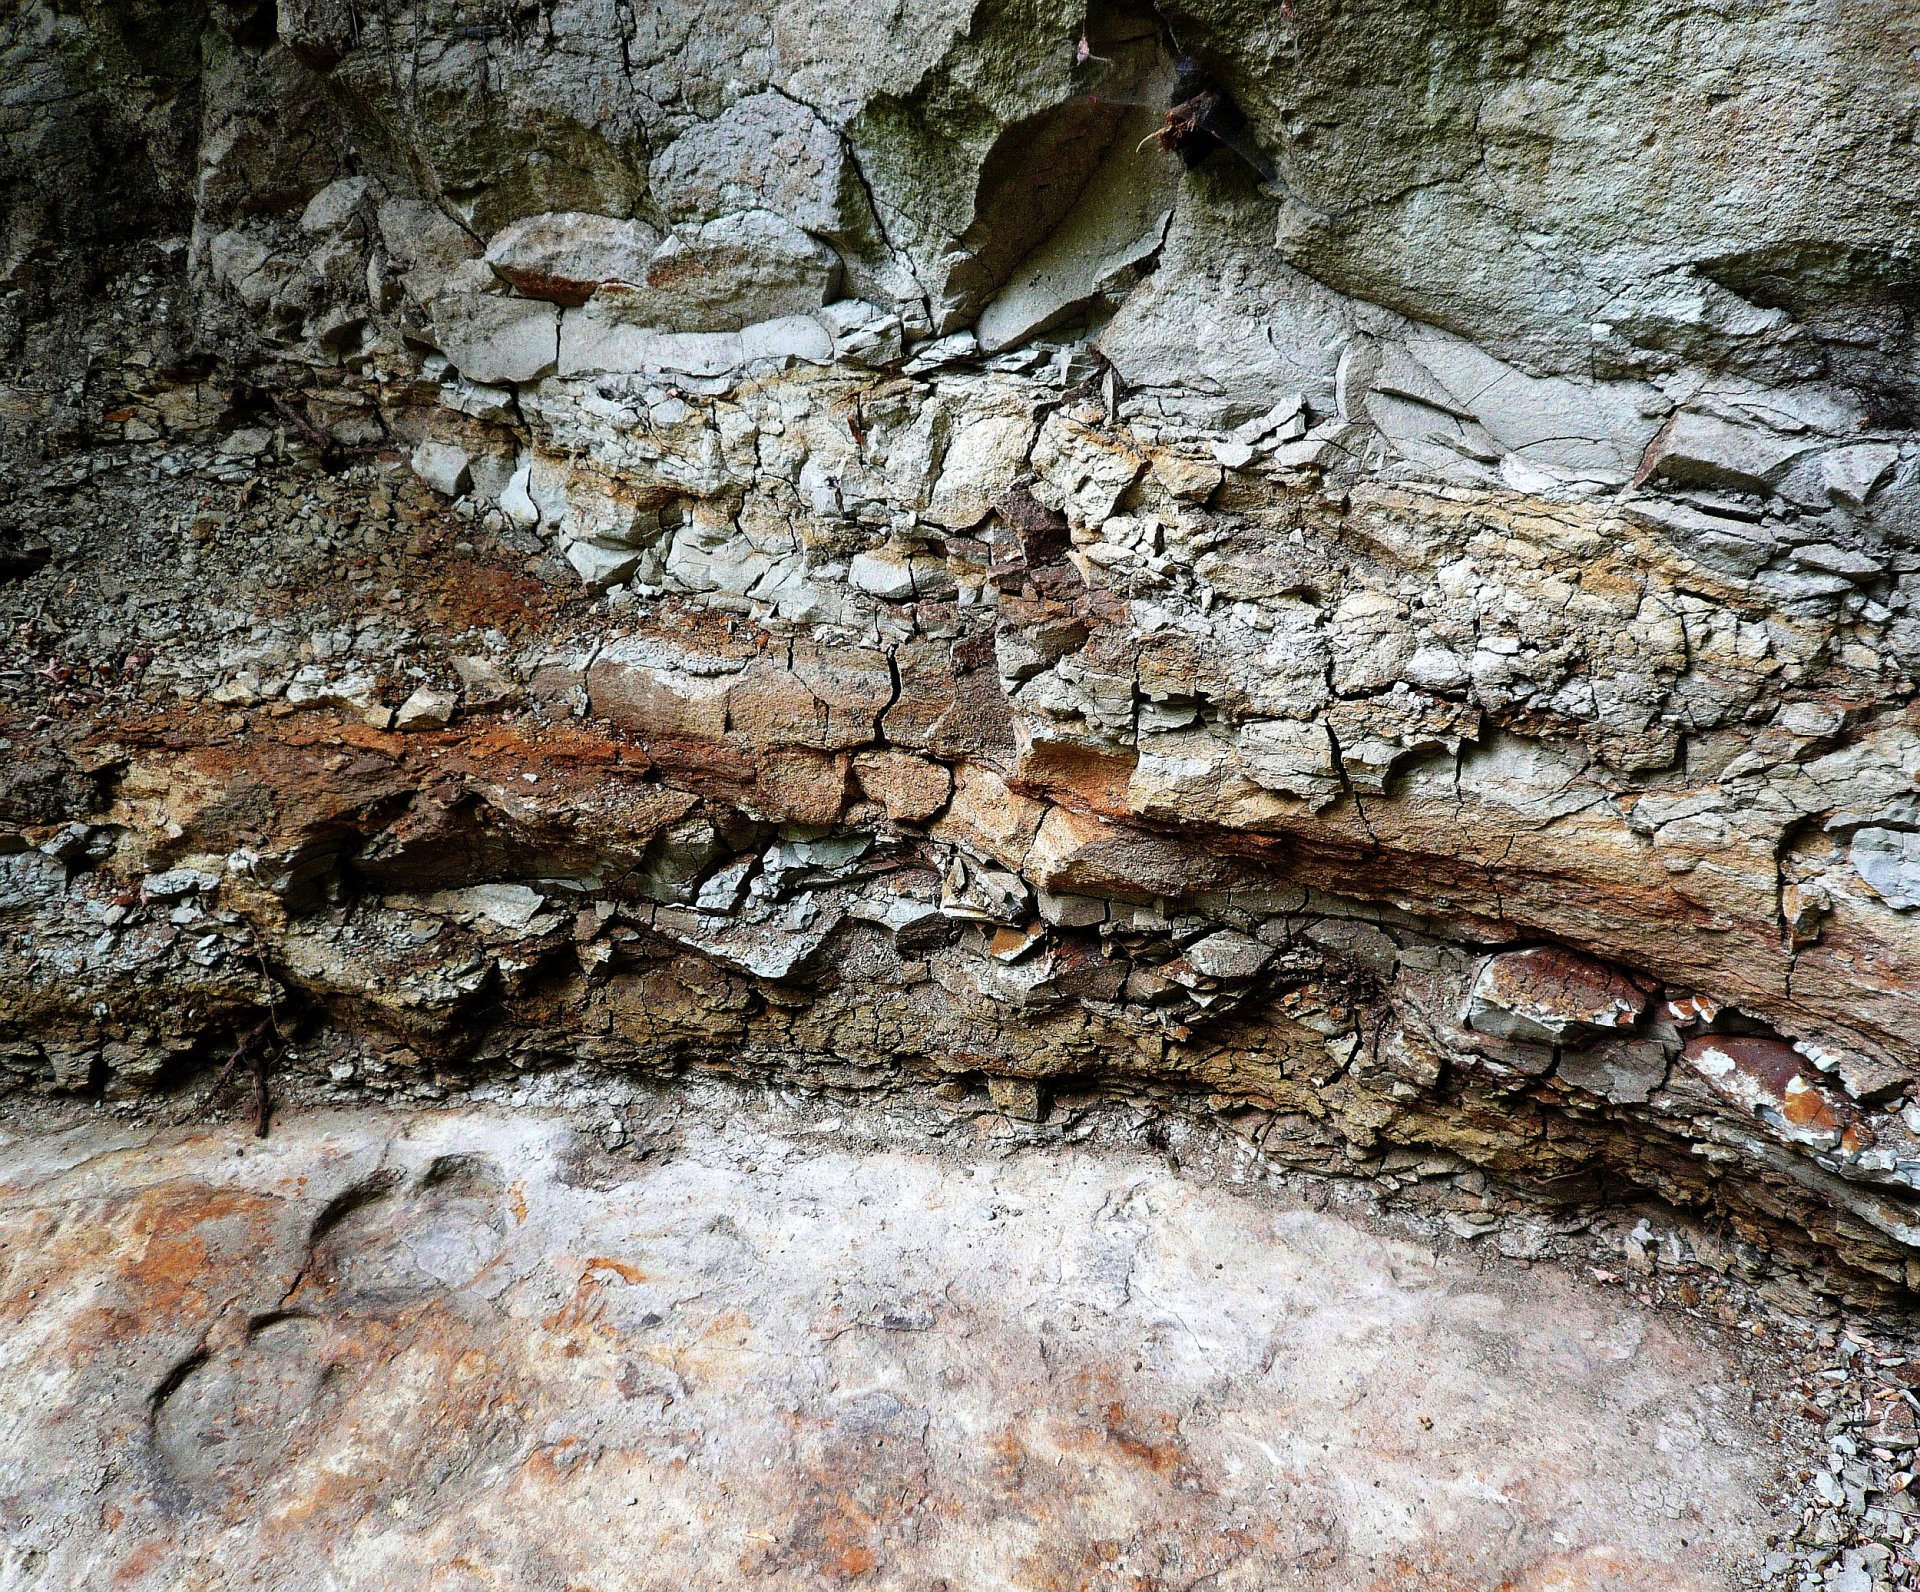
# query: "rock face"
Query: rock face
787,541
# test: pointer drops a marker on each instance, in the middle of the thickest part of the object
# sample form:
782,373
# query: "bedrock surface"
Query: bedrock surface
476,1348
1347,569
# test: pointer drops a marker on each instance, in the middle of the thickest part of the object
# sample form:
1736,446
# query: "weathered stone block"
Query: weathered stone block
444,466
728,273
1706,451
652,701
564,256
1019,1098
1548,995
1772,1080
492,338
912,789
1888,860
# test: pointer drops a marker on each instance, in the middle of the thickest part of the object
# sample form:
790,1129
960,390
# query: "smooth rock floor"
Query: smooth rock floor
472,1349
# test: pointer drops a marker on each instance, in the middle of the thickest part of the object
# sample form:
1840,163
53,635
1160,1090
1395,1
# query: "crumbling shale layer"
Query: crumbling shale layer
676,540
857,874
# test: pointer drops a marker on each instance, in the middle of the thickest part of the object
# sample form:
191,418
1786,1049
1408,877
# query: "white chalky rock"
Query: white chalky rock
565,255
427,709
602,564
516,502
444,466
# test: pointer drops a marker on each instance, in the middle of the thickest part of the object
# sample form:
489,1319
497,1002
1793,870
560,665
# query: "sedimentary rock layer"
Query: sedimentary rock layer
477,1347
1359,563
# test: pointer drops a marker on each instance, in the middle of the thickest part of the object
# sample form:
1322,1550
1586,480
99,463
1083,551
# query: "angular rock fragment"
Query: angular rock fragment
1224,314
1773,1081
1292,756
1868,1079
1118,222
1228,957
778,948
1852,475
565,256
173,883
912,789
1705,450
333,208
1549,996
1732,545
724,890
426,709
983,895
425,242
320,32
1888,861
863,334
444,467
898,575
602,564
484,683
1625,1070
491,338
1834,560
1070,911
1019,1098
1560,430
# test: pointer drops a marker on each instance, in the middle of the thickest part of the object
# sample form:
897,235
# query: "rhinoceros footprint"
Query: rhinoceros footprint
390,1239
244,1410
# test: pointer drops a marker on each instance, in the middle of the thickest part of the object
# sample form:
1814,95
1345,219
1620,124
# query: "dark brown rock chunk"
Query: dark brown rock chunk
1547,995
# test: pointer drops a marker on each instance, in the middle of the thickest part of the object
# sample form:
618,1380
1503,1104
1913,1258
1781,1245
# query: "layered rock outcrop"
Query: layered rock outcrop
810,543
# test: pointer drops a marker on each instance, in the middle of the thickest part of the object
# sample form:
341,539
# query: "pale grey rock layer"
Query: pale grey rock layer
400,1345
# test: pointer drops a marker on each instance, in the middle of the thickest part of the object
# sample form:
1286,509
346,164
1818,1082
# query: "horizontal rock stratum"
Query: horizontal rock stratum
478,1348
1357,567
1335,581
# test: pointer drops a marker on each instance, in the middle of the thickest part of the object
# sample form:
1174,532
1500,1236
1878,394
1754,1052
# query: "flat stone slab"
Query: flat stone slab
477,1349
